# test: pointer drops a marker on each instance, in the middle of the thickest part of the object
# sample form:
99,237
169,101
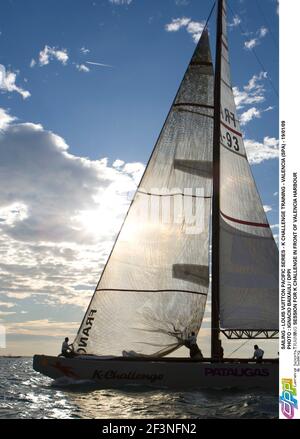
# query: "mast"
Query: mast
215,322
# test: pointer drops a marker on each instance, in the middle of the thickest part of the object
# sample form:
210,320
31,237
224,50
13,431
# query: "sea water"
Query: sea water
25,393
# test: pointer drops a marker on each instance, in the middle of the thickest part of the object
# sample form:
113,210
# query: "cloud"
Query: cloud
50,53
235,22
263,32
18,295
252,93
82,68
194,28
13,213
253,42
258,152
176,24
118,163
275,226
135,170
70,185
253,83
7,313
243,98
8,83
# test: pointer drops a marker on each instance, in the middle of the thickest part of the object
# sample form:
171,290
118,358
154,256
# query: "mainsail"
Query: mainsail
153,289
248,264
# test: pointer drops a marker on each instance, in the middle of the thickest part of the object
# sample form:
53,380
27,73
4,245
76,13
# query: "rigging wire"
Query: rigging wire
257,57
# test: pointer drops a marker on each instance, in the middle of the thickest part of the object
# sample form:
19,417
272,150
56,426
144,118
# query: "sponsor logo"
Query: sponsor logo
235,372
288,401
131,375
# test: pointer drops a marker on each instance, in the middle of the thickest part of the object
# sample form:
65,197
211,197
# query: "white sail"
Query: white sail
153,289
248,253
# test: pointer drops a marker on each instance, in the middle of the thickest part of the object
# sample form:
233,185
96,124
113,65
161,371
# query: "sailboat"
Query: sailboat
153,289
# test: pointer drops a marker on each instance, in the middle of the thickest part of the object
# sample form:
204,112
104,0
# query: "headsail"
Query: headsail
153,289
248,292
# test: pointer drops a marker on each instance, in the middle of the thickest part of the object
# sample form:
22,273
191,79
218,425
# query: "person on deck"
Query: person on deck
191,344
258,354
66,349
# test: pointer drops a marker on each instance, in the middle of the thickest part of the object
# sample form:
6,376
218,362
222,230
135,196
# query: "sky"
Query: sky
85,86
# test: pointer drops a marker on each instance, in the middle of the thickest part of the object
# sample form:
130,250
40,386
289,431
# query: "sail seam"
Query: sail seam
247,223
183,110
173,195
152,291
